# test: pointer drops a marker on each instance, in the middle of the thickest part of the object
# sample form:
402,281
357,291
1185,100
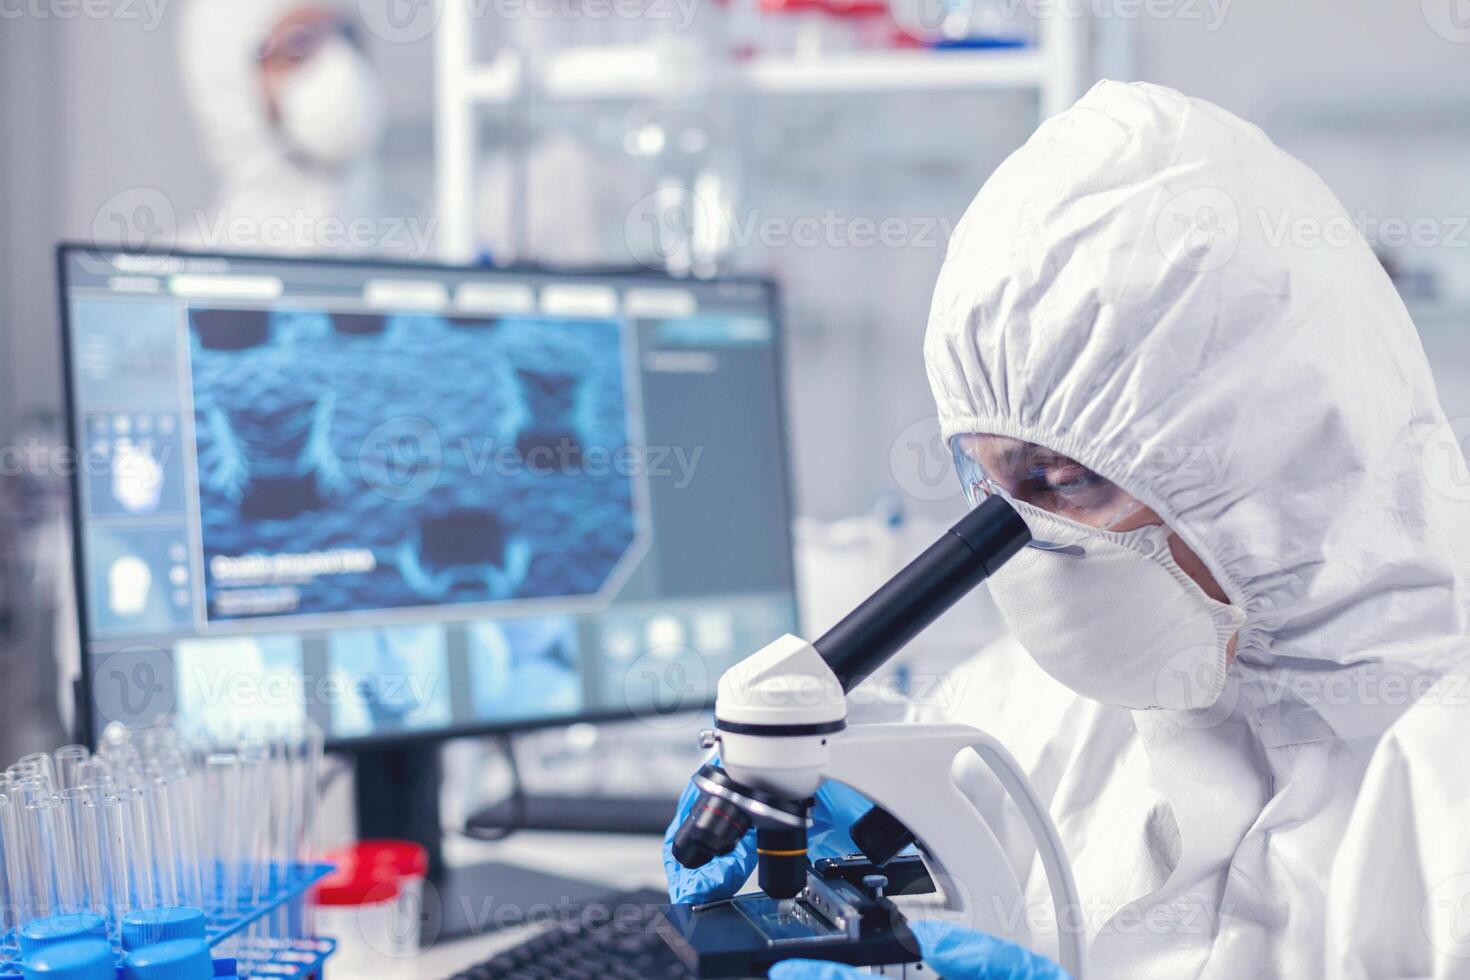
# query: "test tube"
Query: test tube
28,789
288,814
51,859
40,884
183,818
255,815
7,909
222,802
96,775
125,776
277,832
89,833
164,839
130,852
68,761
17,882
121,756
284,806
22,771
71,886
40,764
310,745
115,863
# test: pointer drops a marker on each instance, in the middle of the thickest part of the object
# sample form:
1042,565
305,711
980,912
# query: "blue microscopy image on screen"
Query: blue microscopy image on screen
391,679
523,668
359,461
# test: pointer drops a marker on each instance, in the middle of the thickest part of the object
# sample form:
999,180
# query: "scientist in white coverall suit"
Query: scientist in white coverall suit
290,112
1238,674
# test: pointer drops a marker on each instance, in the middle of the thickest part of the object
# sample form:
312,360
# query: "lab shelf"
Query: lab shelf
592,74
896,71
464,85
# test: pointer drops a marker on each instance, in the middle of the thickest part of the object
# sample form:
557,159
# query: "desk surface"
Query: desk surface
622,861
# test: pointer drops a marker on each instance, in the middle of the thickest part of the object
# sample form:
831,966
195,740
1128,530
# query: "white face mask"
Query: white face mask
331,106
1123,624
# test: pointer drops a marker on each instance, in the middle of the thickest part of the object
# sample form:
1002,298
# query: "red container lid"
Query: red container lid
345,888
370,872
404,858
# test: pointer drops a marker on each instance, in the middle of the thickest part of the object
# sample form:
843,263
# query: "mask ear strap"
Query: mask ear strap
1228,617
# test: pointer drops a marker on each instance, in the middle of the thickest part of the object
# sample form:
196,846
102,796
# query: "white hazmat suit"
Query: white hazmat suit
299,179
1133,288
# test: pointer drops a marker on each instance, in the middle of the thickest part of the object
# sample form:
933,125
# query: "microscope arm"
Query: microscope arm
909,770
781,721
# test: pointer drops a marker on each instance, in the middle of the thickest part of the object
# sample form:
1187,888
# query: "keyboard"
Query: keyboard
612,939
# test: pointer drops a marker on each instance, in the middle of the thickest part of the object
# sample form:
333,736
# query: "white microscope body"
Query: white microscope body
781,723
907,769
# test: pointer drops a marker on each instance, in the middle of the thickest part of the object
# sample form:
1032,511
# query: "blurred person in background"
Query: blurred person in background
37,596
290,112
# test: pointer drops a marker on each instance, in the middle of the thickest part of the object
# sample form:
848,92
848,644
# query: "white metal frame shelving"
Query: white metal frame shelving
1053,68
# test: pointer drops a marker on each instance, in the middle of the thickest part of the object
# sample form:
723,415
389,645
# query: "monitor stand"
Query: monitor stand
397,797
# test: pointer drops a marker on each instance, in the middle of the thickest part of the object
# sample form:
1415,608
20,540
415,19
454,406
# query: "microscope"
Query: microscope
781,728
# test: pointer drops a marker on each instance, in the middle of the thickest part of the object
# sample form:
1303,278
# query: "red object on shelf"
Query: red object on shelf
899,38
834,8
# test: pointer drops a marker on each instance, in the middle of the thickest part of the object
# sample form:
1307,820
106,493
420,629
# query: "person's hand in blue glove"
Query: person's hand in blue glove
838,807
956,953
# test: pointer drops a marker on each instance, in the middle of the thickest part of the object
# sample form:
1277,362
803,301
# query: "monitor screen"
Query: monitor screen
412,501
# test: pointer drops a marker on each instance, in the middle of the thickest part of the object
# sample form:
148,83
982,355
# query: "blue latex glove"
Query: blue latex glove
958,954
836,810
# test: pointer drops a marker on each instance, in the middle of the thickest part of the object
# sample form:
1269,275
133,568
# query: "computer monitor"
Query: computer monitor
409,502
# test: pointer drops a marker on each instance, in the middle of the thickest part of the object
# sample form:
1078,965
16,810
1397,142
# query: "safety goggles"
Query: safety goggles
296,42
1027,473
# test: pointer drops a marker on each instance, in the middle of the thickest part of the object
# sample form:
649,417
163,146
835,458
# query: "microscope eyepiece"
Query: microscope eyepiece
963,557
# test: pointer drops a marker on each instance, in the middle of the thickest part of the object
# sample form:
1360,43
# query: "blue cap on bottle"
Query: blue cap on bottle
80,959
149,926
177,959
53,930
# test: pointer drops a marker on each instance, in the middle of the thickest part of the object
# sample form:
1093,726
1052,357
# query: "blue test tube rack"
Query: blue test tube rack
280,959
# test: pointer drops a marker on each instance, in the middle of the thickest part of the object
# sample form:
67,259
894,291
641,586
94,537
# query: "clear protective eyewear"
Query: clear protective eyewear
295,43
1025,472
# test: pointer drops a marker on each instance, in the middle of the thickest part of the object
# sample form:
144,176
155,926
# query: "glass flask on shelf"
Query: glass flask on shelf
812,29
963,24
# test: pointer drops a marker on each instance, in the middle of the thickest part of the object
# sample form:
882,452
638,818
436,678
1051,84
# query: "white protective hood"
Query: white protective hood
1134,288
260,181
